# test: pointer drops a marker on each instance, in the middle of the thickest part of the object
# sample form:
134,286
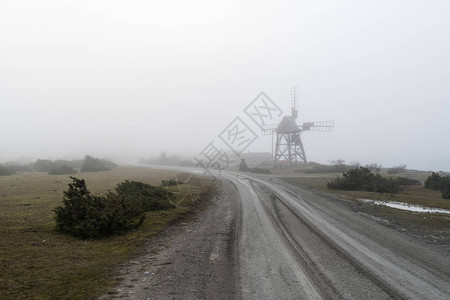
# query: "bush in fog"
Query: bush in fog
439,183
167,160
446,192
85,215
169,182
397,169
407,181
44,165
243,167
434,182
15,167
338,168
363,179
92,164
260,170
4,171
62,170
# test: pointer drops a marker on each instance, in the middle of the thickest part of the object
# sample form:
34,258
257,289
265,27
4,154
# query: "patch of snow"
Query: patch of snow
408,207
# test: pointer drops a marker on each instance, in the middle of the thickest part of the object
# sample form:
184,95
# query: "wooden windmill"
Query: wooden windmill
288,145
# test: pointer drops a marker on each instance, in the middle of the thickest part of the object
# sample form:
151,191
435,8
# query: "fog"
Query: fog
129,79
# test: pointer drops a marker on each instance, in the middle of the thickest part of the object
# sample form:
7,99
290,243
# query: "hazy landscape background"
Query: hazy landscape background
129,79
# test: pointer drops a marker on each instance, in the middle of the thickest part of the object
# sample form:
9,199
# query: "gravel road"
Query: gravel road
192,260
264,238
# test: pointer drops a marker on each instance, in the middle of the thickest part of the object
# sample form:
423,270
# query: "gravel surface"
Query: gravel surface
263,238
193,260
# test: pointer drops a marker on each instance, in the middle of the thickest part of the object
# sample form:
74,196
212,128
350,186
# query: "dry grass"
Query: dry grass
426,225
37,262
409,194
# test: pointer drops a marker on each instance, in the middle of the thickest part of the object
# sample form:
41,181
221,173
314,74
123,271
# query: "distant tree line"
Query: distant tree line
165,159
59,167
339,166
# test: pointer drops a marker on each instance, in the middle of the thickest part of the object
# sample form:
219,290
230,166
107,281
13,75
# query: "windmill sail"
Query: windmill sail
324,126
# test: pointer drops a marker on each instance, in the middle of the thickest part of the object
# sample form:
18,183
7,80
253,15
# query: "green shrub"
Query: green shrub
433,182
84,215
436,182
362,179
445,187
446,193
143,196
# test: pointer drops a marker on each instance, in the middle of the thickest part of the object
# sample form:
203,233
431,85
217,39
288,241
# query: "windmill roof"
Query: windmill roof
287,125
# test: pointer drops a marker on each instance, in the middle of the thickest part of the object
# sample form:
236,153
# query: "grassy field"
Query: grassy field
38,263
437,224
409,194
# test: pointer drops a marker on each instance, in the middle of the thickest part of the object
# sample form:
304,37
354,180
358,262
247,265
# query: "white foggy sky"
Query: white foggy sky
132,78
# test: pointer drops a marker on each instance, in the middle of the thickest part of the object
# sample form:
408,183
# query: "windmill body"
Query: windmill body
288,145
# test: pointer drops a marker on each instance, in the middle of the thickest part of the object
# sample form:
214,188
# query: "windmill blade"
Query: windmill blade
294,102
324,126
269,129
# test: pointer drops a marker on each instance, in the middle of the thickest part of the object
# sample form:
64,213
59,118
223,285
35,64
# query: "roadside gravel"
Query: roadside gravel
193,260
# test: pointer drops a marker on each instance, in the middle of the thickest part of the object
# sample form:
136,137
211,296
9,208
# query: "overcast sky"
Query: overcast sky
130,79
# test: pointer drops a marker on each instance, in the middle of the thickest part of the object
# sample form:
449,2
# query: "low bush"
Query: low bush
439,183
407,181
243,167
397,169
362,179
260,170
44,165
18,167
92,164
446,193
169,182
434,182
88,216
338,168
62,170
143,196
4,171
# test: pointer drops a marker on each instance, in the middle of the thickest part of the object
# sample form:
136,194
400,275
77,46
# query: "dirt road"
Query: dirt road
266,239
192,260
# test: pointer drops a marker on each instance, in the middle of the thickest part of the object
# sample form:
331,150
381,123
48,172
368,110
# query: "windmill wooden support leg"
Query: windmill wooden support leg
301,151
290,148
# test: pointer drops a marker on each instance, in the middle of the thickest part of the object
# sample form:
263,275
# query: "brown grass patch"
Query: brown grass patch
37,262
